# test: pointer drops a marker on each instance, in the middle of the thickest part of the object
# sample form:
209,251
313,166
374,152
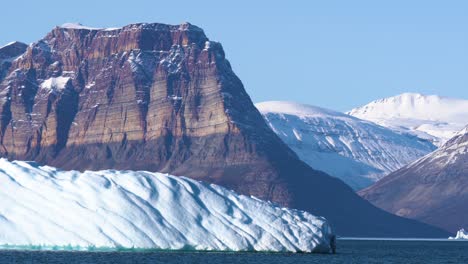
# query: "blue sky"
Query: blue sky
334,54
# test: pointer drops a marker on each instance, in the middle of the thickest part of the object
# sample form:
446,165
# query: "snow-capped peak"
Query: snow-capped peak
9,44
428,116
293,108
357,151
413,105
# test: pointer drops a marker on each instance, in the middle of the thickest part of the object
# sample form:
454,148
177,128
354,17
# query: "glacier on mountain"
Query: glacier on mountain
430,117
358,152
47,207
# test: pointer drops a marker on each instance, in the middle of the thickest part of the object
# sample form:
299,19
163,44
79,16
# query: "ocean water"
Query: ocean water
350,251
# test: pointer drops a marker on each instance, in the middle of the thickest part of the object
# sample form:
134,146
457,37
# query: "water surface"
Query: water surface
350,251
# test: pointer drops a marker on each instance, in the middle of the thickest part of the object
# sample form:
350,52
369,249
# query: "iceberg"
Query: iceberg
461,234
45,207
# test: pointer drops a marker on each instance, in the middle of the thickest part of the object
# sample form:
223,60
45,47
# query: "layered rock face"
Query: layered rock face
164,98
433,189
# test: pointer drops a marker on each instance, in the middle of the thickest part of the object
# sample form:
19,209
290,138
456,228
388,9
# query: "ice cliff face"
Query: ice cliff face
356,151
428,116
433,189
49,207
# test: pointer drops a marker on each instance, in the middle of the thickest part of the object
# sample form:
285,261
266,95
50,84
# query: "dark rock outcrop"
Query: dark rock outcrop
433,189
8,53
164,98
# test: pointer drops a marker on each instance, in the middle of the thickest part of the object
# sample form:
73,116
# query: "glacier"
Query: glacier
461,234
356,151
431,117
46,207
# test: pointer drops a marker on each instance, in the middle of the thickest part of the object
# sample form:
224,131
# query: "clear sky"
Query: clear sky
334,54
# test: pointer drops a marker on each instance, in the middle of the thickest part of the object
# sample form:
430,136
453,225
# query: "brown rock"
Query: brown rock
164,98
434,189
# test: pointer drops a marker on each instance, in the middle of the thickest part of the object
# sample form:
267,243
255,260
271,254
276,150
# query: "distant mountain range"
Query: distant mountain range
433,189
358,152
164,98
430,117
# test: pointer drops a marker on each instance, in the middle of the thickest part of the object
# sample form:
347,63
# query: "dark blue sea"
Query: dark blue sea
350,251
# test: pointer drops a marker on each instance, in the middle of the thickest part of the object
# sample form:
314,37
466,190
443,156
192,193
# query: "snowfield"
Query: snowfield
431,117
44,206
358,152
55,84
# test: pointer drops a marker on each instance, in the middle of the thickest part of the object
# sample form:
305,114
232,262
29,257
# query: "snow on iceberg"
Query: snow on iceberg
42,205
461,234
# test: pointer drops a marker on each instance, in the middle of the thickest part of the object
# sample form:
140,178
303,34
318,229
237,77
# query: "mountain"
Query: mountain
356,151
427,116
8,53
434,189
164,98
50,208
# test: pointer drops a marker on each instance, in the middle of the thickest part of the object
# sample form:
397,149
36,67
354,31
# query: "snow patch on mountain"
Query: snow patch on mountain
8,44
55,83
42,205
431,117
454,149
357,151
77,26
80,26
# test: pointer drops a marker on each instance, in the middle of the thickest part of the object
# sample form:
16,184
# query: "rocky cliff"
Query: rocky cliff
8,53
164,98
433,189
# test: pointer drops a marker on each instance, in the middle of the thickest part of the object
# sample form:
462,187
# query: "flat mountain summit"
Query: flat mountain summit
164,98
432,117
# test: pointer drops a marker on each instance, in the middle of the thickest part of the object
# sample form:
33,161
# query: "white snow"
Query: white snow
461,234
90,85
80,26
357,151
454,149
47,207
77,26
174,97
427,116
55,83
8,44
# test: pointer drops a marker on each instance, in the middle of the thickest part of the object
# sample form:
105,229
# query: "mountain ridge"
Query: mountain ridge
164,98
432,117
432,189
357,151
